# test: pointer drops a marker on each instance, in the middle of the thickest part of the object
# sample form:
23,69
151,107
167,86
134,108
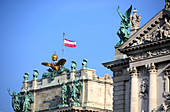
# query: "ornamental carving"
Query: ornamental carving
167,71
144,88
161,32
149,54
151,67
133,71
166,104
167,79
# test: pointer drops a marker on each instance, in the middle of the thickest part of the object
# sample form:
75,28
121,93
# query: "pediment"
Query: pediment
155,31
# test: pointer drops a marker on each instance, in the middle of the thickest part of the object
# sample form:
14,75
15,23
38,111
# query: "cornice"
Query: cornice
116,63
150,44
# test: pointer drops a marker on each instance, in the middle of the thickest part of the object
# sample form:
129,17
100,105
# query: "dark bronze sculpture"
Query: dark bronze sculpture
125,24
22,103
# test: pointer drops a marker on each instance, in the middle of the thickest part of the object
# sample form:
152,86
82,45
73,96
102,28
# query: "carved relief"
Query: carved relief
167,71
48,99
149,54
161,32
151,67
167,80
133,71
166,104
144,88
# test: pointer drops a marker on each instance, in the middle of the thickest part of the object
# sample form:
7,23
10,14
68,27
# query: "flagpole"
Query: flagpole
63,43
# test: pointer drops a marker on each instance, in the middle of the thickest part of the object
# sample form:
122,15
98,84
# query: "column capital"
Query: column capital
151,67
133,71
167,71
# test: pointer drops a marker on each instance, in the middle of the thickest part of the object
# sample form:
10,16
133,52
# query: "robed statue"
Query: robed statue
76,91
65,94
27,100
125,24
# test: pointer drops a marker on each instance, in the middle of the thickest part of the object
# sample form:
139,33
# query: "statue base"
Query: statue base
63,105
118,57
75,104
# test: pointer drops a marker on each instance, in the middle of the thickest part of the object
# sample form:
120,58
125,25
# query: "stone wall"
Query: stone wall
97,91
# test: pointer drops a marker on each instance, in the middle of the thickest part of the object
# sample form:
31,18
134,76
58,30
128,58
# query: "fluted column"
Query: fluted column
152,86
134,89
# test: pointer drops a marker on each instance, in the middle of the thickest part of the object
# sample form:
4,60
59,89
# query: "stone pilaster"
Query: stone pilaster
25,85
44,81
134,89
152,86
34,84
72,75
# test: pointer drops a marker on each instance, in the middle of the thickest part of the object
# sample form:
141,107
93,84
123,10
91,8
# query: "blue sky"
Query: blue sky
31,31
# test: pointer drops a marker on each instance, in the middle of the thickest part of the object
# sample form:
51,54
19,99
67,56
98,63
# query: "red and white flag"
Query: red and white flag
69,43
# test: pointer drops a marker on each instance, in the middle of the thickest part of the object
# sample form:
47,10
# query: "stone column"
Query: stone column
152,86
134,89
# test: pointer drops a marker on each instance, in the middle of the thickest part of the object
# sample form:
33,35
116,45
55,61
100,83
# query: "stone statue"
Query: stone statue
73,66
125,24
144,88
35,75
15,100
135,19
167,29
27,100
76,90
84,64
26,76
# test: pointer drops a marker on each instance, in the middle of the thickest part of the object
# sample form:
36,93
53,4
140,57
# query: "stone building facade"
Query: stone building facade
141,68
96,95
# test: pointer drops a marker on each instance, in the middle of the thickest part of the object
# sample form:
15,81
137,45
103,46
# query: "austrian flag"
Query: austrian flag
69,43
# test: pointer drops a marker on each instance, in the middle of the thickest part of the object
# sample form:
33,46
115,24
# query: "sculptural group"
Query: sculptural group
55,68
71,98
22,103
